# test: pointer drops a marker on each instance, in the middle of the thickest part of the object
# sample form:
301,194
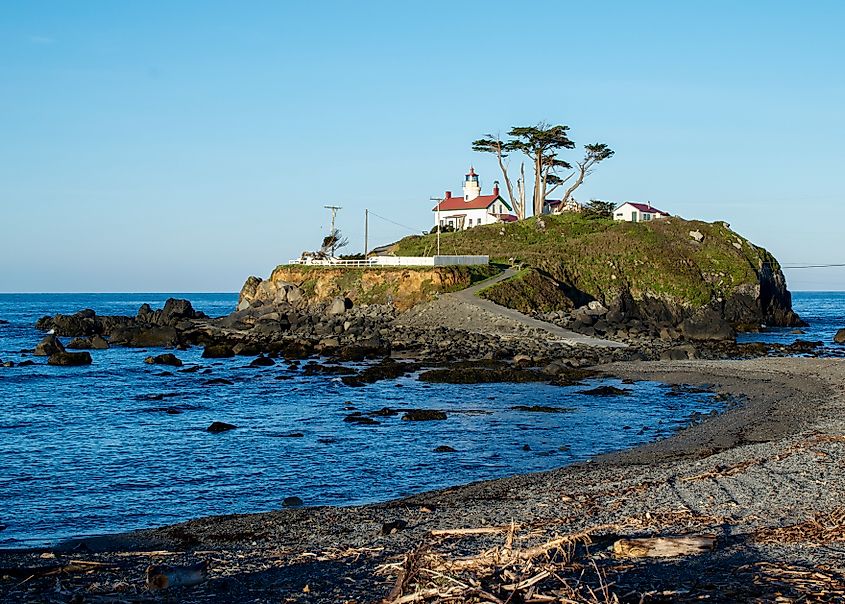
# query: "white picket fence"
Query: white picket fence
396,261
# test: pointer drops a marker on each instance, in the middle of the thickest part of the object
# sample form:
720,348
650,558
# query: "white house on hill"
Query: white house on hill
638,212
473,209
557,206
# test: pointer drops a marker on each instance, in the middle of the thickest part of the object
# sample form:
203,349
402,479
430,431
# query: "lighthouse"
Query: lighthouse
471,187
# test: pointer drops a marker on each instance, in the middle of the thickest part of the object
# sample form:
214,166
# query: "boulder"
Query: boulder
164,359
839,338
80,344
262,361
142,336
49,346
217,427
291,502
706,325
423,415
99,343
218,351
337,307
68,359
176,310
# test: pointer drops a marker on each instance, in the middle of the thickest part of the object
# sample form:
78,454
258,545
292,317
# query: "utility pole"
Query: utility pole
366,231
334,210
439,200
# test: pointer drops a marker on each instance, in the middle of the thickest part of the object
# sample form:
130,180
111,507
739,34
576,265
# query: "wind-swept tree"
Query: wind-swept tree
542,143
333,242
493,144
594,154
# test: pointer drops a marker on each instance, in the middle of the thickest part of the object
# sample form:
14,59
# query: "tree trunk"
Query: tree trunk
582,173
504,170
538,178
521,213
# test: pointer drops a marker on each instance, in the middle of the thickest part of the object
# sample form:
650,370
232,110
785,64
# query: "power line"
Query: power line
404,226
815,266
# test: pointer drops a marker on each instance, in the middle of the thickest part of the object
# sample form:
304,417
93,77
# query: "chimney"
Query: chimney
495,187
448,195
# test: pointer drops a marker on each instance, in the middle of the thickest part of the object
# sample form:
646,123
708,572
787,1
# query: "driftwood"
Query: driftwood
664,547
461,532
72,566
163,577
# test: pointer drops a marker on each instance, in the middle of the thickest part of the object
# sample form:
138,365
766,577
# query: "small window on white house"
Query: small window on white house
646,216
619,213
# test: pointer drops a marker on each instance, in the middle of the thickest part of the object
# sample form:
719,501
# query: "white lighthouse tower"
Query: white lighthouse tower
471,187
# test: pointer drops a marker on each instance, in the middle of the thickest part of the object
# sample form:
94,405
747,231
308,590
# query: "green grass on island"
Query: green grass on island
602,257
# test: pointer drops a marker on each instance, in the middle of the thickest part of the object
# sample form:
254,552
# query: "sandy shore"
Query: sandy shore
765,479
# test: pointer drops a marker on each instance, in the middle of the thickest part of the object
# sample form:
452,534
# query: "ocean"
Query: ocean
121,445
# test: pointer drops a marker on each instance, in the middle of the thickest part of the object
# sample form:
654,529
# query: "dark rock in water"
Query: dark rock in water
481,375
839,338
314,368
542,409
80,344
798,332
192,369
526,447
357,418
26,363
392,527
48,346
218,351
445,449
6,364
68,359
606,391
219,382
291,435
292,502
262,361
99,343
385,412
4,322
140,336
423,415
164,359
217,427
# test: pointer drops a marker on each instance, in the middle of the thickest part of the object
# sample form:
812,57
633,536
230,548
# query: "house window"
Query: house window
470,222
646,216
619,213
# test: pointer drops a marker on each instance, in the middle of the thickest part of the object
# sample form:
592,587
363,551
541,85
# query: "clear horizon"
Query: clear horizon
164,148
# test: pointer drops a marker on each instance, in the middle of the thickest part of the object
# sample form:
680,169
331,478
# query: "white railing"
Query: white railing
395,261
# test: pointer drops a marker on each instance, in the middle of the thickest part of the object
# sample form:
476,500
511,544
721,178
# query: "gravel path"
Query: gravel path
466,310
765,478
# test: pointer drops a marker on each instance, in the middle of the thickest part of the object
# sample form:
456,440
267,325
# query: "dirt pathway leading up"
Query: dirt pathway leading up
467,311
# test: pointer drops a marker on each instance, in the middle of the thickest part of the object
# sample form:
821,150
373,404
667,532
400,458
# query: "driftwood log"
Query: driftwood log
664,547
161,576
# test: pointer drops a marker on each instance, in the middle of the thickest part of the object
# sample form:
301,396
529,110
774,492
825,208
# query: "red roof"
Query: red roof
644,207
482,202
508,218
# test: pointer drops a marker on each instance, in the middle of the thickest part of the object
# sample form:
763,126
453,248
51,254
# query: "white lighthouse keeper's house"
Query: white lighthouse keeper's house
473,209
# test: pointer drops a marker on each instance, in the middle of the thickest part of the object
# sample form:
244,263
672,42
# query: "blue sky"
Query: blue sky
164,146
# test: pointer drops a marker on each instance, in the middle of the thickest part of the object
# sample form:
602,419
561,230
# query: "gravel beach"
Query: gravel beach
762,481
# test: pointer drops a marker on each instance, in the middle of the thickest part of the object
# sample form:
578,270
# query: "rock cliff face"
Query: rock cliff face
403,287
669,271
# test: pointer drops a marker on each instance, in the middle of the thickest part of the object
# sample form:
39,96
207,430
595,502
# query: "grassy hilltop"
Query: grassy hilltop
672,266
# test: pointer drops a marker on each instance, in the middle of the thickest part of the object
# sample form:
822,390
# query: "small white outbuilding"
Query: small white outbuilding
638,212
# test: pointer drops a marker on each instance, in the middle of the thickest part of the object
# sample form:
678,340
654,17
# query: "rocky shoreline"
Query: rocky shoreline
759,485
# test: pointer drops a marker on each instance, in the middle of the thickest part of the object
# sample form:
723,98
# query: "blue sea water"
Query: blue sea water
120,445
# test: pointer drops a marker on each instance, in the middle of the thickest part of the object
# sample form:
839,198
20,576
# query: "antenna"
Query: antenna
334,210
